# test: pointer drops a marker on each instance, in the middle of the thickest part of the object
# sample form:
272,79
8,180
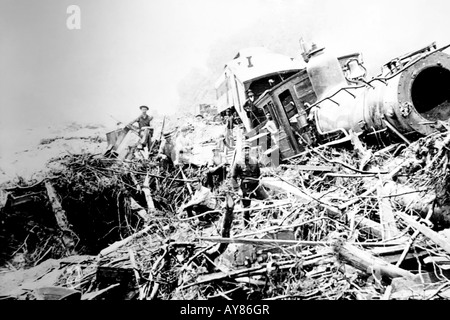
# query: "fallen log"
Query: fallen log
366,262
60,215
59,212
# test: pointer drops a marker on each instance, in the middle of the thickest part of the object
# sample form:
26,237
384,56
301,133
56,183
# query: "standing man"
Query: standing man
183,148
167,152
145,131
216,167
229,125
272,128
201,202
253,113
249,172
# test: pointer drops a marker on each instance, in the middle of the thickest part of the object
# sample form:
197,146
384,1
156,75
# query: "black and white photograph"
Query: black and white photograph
224,154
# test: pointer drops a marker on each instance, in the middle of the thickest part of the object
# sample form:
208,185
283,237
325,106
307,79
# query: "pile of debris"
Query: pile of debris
339,224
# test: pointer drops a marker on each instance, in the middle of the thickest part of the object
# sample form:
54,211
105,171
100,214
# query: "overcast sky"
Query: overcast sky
132,52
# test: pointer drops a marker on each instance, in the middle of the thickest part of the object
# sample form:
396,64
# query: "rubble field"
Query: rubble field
341,223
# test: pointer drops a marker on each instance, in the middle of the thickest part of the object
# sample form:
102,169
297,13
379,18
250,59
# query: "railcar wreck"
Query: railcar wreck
330,98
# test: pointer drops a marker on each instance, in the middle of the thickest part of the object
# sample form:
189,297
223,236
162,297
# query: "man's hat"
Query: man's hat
167,134
143,107
249,91
246,145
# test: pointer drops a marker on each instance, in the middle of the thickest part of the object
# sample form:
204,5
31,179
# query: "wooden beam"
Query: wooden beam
427,232
253,138
138,208
148,197
388,223
310,260
136,273
60,215
188,185
265,241
283,186
118,244
374,188
365,261
279,242
226,227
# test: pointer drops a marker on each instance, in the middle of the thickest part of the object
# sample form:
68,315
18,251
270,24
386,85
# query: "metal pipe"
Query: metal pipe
390,126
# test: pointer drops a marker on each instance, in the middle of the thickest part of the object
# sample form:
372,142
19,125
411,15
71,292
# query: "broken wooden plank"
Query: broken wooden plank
136,273
365,225
369,191
265,241
380,251
136,183
116,245
95,294
288,242
365,261
274,204
362,152
311,260
395,258
251,139
442,262
188,185
410,198
411,240
388,224
427,232
283,186
146,190
271,150
226,227
60,215
301,167
138,209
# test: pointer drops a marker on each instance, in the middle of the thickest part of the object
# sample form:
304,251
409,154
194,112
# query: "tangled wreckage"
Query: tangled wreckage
358,205
331,98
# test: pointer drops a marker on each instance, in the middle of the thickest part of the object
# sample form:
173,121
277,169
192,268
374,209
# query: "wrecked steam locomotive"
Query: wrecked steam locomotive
330,100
